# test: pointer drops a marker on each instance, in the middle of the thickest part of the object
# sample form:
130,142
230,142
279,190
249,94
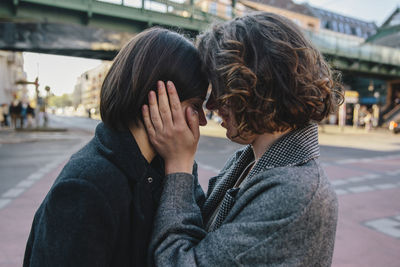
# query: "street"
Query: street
363,167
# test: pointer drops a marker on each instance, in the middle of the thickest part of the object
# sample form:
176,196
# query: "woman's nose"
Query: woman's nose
202,118
211,103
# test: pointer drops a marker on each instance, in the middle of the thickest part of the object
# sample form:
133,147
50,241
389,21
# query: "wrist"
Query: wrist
182,167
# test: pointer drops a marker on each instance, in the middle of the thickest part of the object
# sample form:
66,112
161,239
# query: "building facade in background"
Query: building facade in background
11,71
300,14
343,24
86,95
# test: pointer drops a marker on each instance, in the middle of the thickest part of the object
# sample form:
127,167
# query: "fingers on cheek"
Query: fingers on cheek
179,129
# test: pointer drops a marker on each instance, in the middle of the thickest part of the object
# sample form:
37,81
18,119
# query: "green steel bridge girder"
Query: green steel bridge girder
344,53
106,15
371,68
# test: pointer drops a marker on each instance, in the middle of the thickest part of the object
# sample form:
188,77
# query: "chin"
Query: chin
237,139
242,140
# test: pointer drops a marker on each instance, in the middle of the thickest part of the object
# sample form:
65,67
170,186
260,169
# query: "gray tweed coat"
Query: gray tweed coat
283,214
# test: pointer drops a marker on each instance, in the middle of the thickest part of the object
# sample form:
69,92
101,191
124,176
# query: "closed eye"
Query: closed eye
197,106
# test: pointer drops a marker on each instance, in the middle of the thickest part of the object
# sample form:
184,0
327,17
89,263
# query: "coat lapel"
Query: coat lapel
222,183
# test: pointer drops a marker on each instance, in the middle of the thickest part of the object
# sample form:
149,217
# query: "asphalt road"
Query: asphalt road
366,179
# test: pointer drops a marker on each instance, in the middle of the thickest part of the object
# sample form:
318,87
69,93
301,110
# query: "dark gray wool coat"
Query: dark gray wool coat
100,210
283,214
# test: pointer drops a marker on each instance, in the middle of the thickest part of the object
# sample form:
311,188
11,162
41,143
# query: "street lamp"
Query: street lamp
47,88
36,84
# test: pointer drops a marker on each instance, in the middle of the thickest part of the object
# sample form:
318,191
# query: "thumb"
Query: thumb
193,122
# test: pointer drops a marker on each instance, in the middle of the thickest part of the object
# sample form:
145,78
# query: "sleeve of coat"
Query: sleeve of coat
258,236
74,227
199,195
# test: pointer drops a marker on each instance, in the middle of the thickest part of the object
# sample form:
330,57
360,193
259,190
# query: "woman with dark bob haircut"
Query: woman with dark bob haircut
272,203
100,210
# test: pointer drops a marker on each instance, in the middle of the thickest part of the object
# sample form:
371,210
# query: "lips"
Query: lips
224,121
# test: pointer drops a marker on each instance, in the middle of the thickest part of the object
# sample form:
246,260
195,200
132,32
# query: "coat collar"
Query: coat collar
120,148
294,148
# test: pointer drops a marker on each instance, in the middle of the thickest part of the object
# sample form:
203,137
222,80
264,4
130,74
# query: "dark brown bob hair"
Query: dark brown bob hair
270,75
153,55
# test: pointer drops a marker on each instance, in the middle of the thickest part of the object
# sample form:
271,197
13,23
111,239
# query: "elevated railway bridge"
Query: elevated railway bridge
98,29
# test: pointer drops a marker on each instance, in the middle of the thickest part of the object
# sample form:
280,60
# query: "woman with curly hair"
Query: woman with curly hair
272,203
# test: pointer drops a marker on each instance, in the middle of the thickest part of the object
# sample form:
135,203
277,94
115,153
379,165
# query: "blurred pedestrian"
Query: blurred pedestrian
210,114
272,203
24,110
1,118
30,115
6,113
99,211
15,113
368,121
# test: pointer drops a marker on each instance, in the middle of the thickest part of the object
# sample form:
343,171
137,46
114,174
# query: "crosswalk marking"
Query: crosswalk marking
13,192
386,225
4,202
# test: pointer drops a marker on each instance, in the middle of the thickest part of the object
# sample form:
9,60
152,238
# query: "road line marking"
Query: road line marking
341,192
386,226
357,179
394,172
371,176
346,161
13,192
25,183
363,160
4,202
338,182
360,189
31,179
35,176
385,186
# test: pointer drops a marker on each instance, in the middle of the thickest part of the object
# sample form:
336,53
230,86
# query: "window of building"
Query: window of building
358,32
341,27
212,8
328,25
347,29
228,11
334,26
395,20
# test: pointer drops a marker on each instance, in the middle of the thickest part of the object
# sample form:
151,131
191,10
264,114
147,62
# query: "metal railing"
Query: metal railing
181,8
353,47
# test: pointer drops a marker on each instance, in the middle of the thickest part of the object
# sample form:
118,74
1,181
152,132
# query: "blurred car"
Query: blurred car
394,127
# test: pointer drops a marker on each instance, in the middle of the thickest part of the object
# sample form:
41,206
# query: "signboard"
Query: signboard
368,100
351,97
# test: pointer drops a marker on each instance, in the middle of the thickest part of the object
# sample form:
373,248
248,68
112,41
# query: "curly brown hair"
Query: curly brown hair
271,76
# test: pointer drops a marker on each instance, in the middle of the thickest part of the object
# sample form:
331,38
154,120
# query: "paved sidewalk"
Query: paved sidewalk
16,218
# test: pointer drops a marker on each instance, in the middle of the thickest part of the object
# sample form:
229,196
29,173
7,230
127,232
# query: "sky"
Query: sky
368,10
58,72
61,72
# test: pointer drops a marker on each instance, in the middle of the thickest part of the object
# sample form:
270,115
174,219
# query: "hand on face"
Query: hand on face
173,138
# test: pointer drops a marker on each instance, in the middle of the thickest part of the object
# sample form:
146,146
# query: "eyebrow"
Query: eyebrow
198,99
